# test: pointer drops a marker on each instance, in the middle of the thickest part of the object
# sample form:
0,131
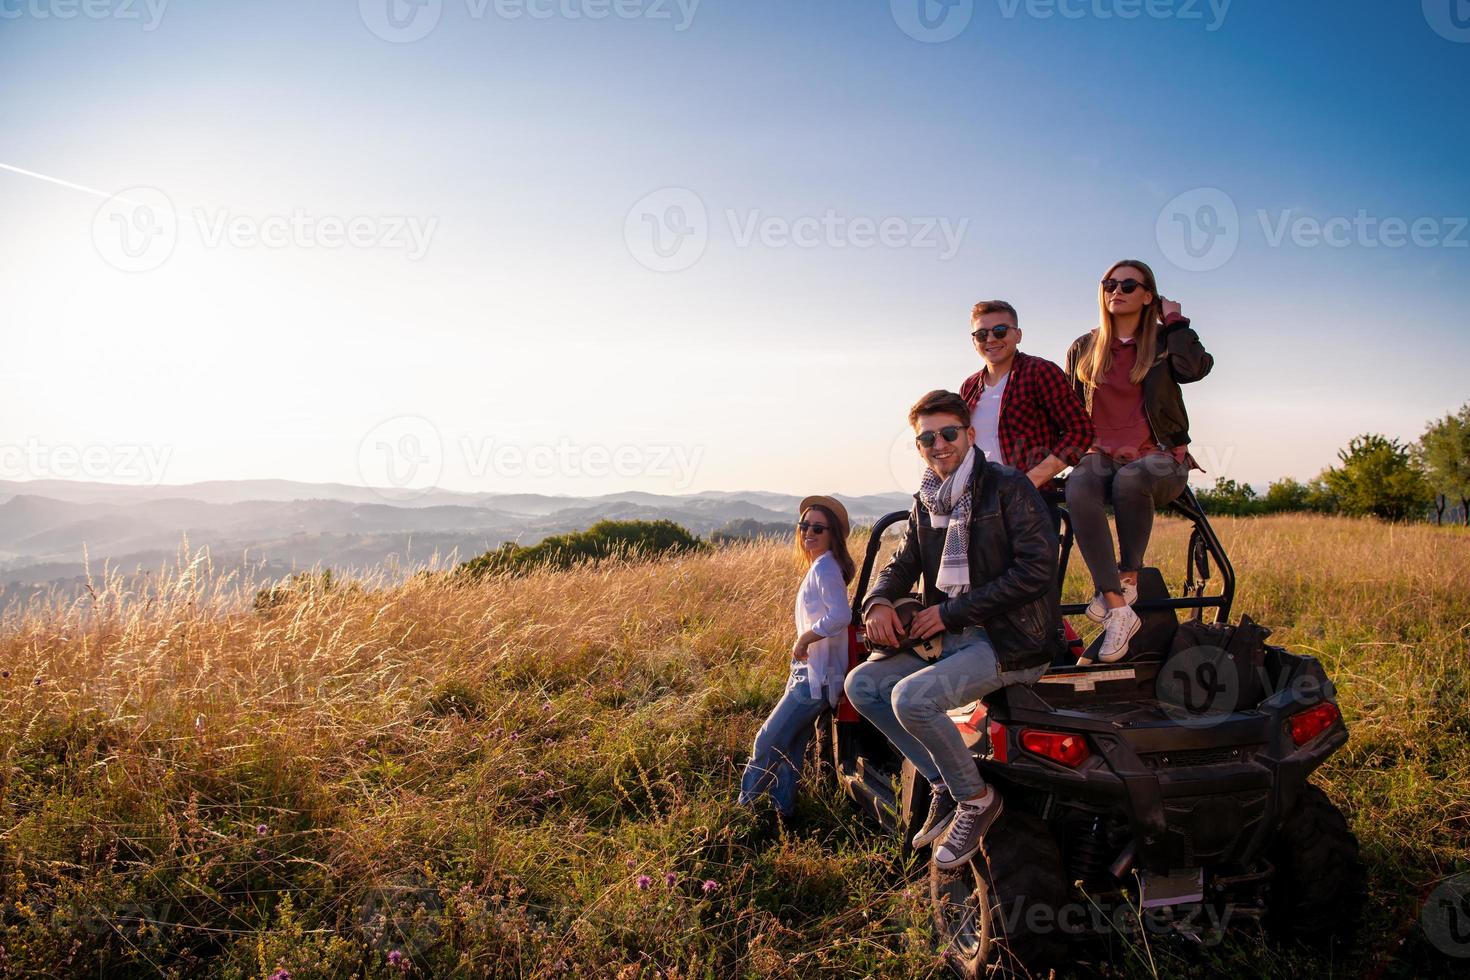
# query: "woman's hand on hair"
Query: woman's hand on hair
1168,308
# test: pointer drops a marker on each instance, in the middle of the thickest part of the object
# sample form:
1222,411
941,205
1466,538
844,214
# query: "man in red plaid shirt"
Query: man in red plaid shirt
1024,412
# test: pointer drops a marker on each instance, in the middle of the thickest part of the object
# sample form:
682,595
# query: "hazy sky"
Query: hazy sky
577,246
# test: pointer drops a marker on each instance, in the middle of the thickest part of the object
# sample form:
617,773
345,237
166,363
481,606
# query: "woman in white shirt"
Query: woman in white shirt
818,657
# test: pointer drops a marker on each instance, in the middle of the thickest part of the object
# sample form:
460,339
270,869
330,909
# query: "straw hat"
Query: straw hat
832,504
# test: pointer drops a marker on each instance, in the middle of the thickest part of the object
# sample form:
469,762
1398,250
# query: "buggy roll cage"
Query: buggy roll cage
1204,547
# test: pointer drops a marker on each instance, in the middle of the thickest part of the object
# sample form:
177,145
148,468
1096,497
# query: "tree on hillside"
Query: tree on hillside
1378,477
1444,452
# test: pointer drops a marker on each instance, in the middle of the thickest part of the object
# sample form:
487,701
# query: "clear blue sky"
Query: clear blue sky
522,340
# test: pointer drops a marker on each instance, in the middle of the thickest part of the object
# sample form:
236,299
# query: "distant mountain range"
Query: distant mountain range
49,528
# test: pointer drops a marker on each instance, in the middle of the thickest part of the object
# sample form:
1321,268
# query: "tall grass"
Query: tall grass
535,777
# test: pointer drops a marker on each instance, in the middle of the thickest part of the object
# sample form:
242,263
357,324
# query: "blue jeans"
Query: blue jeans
780,745
907,698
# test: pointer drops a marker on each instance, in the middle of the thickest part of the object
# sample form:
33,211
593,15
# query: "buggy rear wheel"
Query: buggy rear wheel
999,914
1320,883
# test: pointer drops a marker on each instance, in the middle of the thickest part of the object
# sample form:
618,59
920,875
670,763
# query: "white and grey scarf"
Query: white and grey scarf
948,502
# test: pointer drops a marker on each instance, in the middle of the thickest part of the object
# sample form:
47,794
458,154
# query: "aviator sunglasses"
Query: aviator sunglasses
950,433
1127,285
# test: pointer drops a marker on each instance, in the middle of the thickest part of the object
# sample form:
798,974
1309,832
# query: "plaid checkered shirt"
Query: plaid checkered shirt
1040,414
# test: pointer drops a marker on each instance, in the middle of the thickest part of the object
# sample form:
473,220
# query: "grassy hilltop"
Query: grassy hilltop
536,777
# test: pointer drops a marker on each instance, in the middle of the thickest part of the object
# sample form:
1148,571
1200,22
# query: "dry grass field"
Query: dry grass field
536,777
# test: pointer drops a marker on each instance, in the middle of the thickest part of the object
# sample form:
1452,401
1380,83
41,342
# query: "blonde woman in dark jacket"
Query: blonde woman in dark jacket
1128,373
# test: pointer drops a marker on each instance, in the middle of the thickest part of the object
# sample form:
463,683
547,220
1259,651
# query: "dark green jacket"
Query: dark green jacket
1181,358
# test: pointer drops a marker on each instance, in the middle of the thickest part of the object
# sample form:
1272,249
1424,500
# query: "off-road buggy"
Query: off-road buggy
1166,792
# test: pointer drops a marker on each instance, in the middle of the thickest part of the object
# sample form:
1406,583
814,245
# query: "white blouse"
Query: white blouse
822,606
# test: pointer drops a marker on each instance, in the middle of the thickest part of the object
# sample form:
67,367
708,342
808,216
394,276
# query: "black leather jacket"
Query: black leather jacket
1013,555
1180,359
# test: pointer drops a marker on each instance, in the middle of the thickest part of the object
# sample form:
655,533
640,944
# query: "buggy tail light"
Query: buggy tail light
1069,750
1307,725
1000,750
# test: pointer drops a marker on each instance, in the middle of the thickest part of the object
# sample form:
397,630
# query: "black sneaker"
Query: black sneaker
941,809
966,830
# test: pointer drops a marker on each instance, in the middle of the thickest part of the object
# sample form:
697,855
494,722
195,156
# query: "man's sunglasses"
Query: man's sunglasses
950,433
1127,285
806,526
983,334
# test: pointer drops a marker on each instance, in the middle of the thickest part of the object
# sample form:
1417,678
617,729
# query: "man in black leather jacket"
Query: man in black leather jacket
981,539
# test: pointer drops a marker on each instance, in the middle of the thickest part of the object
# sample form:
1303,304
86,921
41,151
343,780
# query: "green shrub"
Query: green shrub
605,539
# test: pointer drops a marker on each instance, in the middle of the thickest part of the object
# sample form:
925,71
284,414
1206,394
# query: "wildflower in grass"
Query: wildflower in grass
280,973
515,736
546,706
643,882
261,830
710,886
670,878
632,863
398,961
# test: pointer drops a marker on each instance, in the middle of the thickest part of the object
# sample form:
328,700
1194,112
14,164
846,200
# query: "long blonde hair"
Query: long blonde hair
1099,357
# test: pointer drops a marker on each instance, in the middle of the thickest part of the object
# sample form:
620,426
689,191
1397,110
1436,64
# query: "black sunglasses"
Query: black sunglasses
950,433
806,526
984,333
1127,285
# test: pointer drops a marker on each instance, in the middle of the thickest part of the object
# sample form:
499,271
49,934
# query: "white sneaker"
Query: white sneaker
1097,609
1118,628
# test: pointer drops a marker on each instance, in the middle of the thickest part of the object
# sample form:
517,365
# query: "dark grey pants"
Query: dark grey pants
1136,489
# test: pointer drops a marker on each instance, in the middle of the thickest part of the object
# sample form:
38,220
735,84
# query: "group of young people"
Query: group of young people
983,541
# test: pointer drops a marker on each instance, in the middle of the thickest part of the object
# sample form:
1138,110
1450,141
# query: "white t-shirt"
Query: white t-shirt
986,420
